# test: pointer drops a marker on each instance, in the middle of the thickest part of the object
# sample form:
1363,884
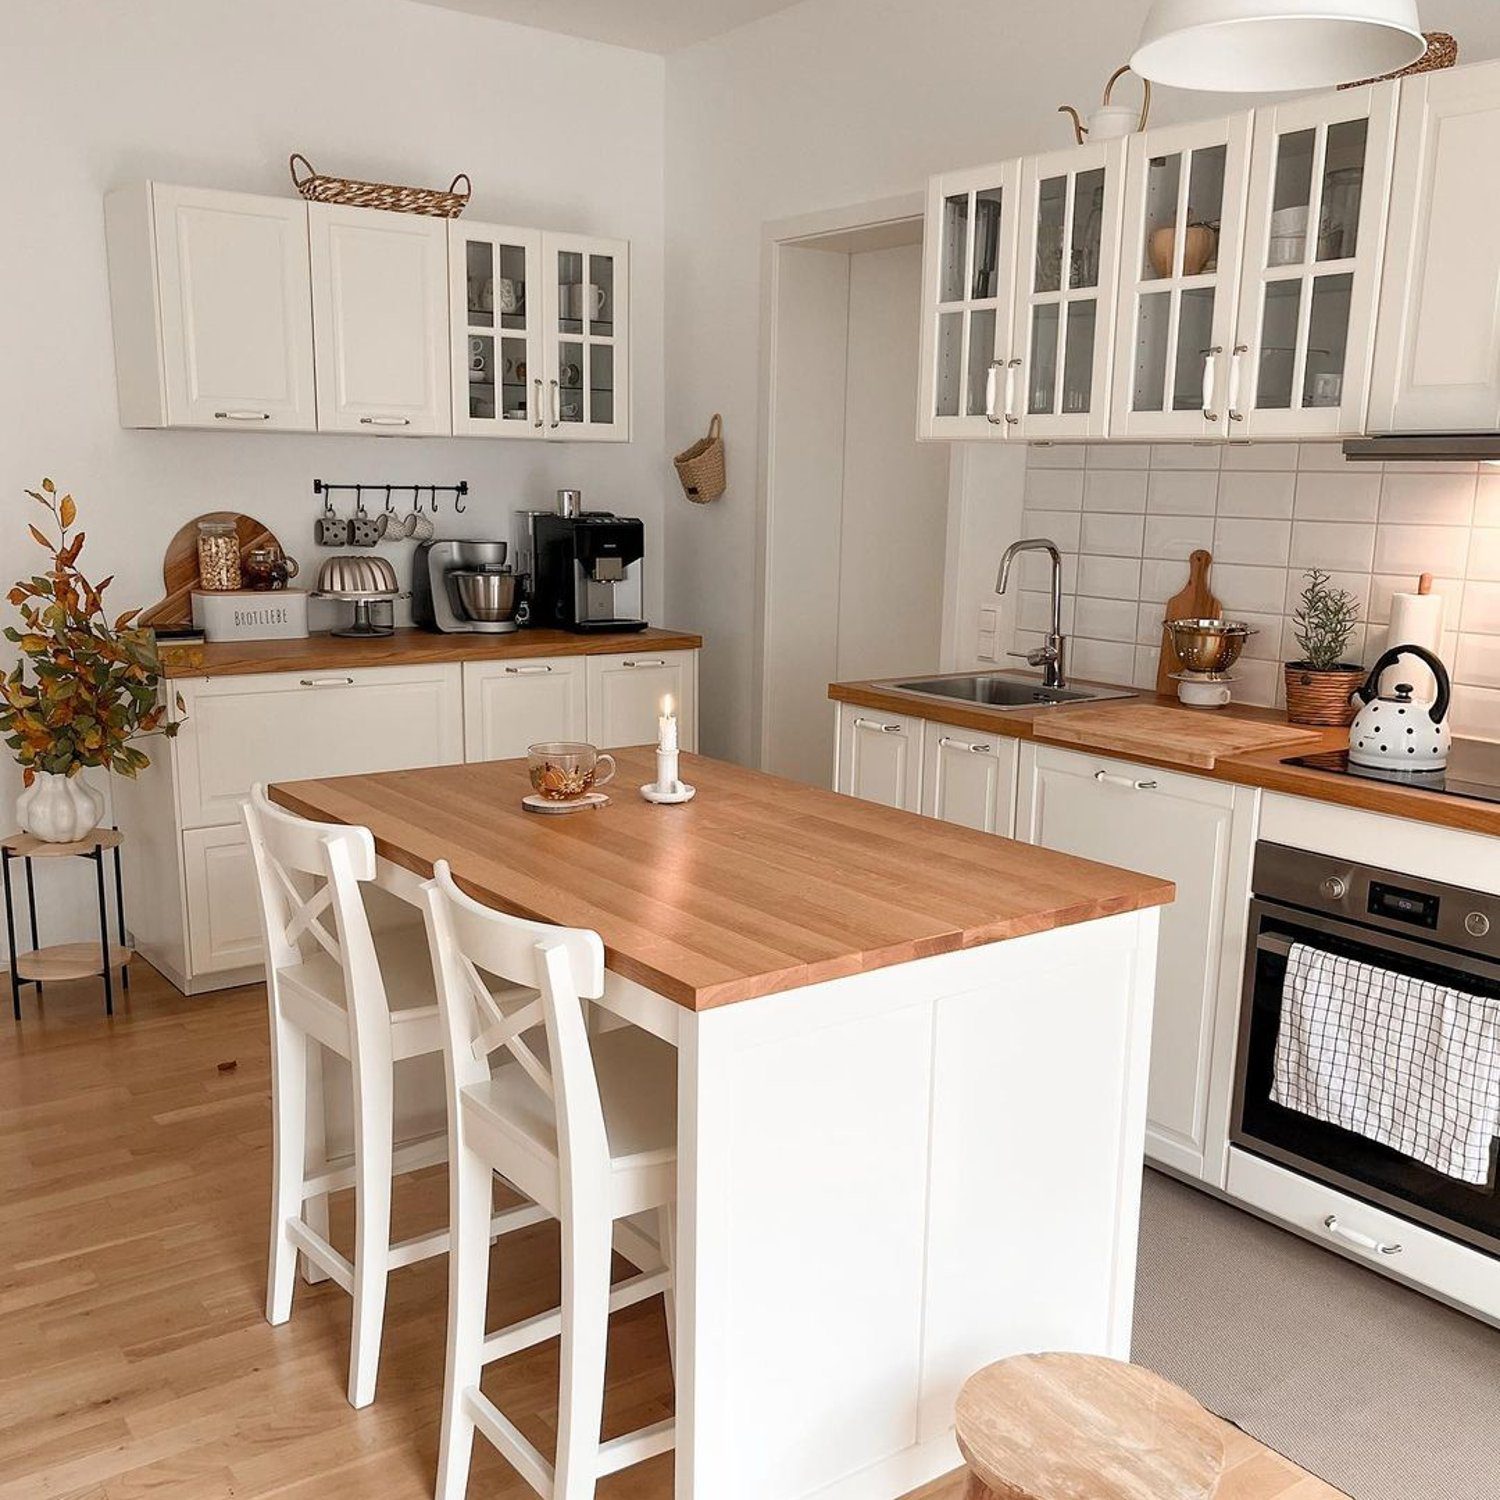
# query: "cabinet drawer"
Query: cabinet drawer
625,695
286,726
222,903
512,704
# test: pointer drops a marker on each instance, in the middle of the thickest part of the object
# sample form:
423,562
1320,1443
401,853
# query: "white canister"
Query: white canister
251,614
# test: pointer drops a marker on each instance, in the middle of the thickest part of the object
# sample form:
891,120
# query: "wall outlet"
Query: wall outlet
989,635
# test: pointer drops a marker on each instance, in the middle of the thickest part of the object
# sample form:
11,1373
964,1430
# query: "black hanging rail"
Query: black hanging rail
458,491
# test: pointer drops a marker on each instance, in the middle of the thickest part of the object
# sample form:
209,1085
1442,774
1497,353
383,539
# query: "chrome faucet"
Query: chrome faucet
1051,656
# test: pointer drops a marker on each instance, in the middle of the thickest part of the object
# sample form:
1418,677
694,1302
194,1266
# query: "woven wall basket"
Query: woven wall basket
402,200
701,467
1321,698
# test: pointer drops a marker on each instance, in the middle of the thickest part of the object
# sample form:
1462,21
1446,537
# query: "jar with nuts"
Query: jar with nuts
218,555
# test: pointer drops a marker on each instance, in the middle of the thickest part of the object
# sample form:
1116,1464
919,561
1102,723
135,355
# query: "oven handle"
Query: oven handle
1377,941
1362,1241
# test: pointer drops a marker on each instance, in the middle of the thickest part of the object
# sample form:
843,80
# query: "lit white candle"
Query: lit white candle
667,727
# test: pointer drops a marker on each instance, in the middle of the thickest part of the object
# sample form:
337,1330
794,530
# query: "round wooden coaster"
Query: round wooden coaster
537,804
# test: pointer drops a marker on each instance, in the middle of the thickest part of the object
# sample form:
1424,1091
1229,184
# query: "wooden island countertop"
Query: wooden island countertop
322,651
759,885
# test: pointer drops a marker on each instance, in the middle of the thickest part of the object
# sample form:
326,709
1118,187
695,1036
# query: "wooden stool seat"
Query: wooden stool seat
1069,1426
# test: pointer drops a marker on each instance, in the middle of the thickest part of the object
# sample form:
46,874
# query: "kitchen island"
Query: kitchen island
911,1089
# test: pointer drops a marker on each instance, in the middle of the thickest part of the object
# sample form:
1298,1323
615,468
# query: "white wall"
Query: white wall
555,132
836,102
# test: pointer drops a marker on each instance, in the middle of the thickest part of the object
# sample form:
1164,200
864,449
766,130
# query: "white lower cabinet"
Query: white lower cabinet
509,705
969,777
879,757
222,906
1200,835
626,693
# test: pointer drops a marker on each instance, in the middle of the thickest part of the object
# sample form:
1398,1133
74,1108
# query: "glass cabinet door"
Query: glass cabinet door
1313,231
1066,269
1179,267
970,238
495,299
588,284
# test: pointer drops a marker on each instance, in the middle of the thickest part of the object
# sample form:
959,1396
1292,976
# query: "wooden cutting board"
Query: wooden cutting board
1194,602
179,566
1181,737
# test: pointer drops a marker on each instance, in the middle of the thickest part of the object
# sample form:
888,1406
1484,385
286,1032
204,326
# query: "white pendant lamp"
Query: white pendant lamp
1266,46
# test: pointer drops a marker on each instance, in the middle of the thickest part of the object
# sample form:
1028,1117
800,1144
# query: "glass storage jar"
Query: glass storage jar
218,555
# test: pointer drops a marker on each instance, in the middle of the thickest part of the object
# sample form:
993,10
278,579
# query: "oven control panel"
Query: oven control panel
1418,908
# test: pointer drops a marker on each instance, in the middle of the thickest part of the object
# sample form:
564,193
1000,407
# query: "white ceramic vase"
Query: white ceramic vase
59,809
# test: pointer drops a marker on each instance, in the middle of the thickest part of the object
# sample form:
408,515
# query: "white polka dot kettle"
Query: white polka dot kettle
1396,733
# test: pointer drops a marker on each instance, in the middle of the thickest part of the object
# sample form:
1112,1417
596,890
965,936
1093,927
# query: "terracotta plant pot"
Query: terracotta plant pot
1198,245
1320,696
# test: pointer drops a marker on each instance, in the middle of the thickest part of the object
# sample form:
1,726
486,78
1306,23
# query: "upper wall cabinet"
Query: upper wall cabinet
498,381
1437,349
586,311
212,308
1314,231
1179,279
380,320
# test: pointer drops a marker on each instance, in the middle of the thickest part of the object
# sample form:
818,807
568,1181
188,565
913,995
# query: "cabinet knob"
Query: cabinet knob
1476,924
1335,887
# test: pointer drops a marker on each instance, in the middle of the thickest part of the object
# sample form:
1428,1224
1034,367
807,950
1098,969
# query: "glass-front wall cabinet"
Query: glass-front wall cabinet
1067,263
1179,270
969,273
1314,224
539,326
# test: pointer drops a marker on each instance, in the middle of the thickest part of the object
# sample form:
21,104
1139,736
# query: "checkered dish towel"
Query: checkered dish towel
1413,1065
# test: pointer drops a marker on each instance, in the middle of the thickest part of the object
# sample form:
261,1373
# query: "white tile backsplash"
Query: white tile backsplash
1127,517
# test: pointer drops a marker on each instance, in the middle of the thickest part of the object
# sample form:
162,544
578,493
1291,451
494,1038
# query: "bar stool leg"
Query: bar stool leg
120,917
585,1333
36,942
109,987
10,936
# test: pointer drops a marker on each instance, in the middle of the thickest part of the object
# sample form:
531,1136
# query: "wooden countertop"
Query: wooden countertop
1260,768
758,885
322,652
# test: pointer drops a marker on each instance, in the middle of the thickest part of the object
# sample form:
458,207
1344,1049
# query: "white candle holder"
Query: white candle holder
667,788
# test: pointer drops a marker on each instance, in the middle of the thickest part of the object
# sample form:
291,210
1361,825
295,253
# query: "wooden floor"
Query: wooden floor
137,1362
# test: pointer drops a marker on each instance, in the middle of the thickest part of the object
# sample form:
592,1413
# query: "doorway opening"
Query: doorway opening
855,510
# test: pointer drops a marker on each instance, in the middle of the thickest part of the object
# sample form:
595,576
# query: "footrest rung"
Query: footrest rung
506,1436
321,1253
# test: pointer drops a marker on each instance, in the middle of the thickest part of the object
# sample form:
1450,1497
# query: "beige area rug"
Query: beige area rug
1383,1392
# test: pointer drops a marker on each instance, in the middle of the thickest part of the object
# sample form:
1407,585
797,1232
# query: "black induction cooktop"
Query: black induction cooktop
1473,771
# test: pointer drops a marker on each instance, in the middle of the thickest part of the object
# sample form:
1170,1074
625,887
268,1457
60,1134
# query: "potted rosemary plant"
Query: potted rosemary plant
1320,684
83,689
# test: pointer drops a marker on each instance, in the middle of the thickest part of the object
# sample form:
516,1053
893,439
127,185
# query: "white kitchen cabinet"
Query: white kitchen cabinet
879,757
626,693
1180,251
1313,248
509,705
1437,343
1200,835
212,308
495,318
380,321
586,318
968,280
1067,269
223,903
969,777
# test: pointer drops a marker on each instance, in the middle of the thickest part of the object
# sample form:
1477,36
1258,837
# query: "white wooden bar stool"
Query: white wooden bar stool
592,1138
372,1003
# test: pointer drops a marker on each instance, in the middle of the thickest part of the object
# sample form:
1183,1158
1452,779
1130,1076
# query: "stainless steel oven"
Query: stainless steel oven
1430,931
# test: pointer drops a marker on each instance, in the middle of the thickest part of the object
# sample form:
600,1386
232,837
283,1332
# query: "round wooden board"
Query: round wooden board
69,961
179,565
1059,1426
29,846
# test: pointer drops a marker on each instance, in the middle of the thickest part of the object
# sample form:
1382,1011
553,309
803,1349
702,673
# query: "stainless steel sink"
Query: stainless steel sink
1006,690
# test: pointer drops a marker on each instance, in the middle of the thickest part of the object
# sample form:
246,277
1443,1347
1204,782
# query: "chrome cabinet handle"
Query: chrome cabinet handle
876,724
648,661
556,398
385,421
949,743
991,384
1209,357
242,416
527,671
327,682
1011,367
1361,1241
1235,414
539,419
1107,778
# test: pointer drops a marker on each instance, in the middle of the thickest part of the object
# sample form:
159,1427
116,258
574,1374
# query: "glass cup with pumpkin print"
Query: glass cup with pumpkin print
565,770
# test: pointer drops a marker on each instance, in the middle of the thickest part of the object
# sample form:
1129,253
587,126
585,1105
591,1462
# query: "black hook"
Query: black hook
432,495
388,506
459,491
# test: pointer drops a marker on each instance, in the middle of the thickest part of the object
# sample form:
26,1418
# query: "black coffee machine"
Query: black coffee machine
588,572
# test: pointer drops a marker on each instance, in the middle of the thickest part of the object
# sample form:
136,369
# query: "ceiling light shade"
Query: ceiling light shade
1265,46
